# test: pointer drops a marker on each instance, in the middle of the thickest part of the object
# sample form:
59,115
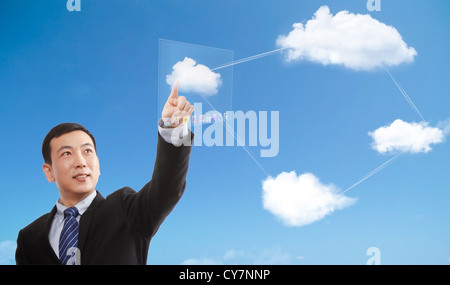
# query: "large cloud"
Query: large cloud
406,137
356,41
197,78
301,200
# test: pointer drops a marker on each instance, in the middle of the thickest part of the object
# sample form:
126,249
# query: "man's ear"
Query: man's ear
48,171
98,161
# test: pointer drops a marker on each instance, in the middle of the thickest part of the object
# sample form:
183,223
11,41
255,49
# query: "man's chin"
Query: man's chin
79,192
85,192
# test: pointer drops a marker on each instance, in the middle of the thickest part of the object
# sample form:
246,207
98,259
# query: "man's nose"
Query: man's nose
80,161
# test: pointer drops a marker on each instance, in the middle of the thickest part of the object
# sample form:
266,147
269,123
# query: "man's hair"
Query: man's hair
58,131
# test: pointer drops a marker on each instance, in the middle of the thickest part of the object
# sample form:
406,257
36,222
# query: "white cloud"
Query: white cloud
7,252
197,78
232,254
405,137
444,126
359,42
273,256
301,200
201,261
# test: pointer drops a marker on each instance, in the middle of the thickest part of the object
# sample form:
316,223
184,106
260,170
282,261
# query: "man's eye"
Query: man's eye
66,153
88,150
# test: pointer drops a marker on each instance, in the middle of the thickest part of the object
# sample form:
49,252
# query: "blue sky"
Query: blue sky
99,67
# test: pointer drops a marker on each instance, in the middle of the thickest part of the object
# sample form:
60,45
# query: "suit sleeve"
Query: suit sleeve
20,254
148,208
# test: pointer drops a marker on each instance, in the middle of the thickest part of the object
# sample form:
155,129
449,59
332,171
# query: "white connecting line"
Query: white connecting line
373,172
407,98
376,170
248,58
238,139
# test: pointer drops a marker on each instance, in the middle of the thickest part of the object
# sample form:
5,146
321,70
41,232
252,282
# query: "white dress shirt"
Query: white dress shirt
58,219
171,135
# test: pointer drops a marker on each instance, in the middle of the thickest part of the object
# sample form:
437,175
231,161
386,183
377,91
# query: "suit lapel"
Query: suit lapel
45,243
86,220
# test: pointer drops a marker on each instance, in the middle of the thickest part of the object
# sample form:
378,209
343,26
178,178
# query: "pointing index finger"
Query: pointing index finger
174,93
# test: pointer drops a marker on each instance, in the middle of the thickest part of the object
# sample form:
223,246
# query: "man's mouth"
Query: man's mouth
81,177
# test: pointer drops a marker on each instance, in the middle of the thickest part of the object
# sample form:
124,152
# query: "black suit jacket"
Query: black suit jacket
118,229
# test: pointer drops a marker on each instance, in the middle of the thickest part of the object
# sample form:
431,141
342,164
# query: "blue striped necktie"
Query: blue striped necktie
68,241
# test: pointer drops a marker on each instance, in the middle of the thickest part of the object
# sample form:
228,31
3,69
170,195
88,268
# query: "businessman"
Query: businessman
86,228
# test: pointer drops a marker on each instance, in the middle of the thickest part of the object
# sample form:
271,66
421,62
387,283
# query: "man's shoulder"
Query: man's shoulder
119,196
39,223
121,192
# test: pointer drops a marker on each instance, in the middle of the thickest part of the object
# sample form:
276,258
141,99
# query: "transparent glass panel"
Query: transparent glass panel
209,89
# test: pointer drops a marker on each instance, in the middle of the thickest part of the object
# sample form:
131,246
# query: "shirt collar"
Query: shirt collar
81,206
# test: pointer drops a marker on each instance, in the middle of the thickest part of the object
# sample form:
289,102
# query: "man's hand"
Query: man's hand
177,109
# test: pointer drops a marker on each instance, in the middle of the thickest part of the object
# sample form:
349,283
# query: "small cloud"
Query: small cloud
201,261
233,254
355,41
196,78
7,252
406,137
444,126
301,200
273,256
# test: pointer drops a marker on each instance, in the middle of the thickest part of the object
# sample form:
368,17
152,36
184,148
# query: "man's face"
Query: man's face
75,167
